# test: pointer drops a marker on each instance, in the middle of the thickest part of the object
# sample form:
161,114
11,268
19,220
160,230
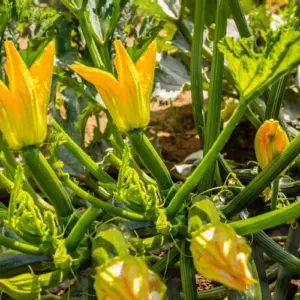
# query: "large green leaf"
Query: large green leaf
170,78
254,72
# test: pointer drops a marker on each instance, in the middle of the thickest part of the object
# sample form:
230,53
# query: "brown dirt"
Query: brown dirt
172,125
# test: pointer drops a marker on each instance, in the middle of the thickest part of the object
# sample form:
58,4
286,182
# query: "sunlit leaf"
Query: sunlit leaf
254,72
165,10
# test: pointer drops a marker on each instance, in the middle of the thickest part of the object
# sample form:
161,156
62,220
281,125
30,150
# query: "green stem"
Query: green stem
289,261
22,247
141,246
151,160
209,159
39,201
267,220
275,99
261,181
219,292
90,42
96,188
96,202
167,260
284,276
256,290
54,278
252,118
187,273
263,280
118,162
78,231
196,68
274,196
90,165
47,181
8,154
239,18
213,118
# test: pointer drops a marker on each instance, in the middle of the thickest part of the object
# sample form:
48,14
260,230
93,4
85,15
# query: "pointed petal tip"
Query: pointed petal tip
153,46
51,47
10,48
77,66
9,44
118,43
120,49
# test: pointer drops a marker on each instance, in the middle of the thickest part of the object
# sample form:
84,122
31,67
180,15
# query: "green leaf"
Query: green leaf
65,52
34,50
104,16
168,10
253,72
73,105
145,33
5,14
170,78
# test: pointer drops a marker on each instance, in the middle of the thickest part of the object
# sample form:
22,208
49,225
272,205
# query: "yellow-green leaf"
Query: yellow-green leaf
254,71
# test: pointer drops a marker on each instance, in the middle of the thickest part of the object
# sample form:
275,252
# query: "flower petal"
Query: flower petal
22,90
108,88
129,80
8,112
41,73
145,67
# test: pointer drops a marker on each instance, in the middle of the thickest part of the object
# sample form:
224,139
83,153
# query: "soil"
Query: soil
172,126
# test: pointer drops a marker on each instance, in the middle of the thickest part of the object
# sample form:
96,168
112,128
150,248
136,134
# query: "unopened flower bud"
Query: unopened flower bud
220,254
127,278
270,141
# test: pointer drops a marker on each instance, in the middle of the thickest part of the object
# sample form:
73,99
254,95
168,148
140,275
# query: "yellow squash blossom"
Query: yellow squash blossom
270,141
220,254
127,278
23,104
127,97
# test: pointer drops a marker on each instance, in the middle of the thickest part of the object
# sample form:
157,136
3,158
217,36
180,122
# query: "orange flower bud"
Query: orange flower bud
220,254
270,141
127,278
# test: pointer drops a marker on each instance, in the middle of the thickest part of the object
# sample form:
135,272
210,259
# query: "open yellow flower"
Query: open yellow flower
127,278
270,141
127,97
220,254
23,104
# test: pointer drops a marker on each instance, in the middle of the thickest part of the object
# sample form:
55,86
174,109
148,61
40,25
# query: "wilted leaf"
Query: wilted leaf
254,72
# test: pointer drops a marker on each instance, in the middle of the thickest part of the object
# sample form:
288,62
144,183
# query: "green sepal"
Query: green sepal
202,212
108,243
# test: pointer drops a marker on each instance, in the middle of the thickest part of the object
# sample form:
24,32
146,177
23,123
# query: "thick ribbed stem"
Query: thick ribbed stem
151,160
47,181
